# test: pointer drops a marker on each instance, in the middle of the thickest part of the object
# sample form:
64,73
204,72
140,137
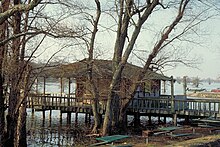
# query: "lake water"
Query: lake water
54,134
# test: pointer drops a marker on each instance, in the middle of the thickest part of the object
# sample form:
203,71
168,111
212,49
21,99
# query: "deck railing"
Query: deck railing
137,104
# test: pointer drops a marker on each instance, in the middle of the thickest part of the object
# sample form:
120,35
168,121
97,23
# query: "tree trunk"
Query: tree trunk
3,28
113,91
20,137
13,118
122,120
93,87
2,112
97,118
115,112
108,117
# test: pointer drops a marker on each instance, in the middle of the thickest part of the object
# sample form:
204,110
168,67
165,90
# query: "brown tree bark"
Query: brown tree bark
12,117
152,55
95,94
123,59
124,19
3,28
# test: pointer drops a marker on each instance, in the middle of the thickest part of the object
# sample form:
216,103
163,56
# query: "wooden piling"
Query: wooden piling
68,117
175,119
50,116
159,121
187,119
184,85
43,112
164,87
76,118
86,118
137,119
89,118
149,120
165,119
172,94
61,114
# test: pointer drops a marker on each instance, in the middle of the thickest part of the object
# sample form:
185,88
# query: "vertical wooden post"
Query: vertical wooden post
175,119
137,119
76,118
86,118
69,90
43,112
149,120
89,118
172,103
44,86
68,101
61,89
68,117
159,121
172,95
44,99
187,119
164,120
32,119
61,117
36,85
50,116
164,87
184,85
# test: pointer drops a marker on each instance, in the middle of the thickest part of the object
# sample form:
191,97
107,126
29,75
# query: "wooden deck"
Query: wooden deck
144,106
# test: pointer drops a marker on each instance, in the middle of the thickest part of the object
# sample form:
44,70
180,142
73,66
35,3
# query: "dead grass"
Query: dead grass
211,140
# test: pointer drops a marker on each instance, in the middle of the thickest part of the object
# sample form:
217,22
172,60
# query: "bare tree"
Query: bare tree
18,27
3,30
122,51
90,72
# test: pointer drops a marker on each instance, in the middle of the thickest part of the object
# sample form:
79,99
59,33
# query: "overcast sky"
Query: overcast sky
208,49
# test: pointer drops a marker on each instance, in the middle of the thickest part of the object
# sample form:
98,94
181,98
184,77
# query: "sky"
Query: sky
207,49
209,52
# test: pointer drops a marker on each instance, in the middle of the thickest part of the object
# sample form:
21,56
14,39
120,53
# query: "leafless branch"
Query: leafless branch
18,8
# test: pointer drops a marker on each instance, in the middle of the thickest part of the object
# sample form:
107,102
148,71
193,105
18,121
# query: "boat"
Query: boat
195,89
215,90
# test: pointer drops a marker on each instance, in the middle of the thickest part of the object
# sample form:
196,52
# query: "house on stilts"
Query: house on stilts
149,98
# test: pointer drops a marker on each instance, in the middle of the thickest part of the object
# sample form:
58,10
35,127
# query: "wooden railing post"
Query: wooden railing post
172,95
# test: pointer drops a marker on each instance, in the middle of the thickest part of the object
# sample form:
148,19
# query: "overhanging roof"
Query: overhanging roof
101,68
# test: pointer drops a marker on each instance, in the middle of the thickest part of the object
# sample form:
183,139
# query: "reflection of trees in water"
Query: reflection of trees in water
52,133
57,136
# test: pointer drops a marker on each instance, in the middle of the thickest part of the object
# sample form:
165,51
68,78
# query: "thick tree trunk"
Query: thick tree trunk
3,28
122,120
15,117
115,112
11,117
97,118
20,133
113,91
2,112
108,117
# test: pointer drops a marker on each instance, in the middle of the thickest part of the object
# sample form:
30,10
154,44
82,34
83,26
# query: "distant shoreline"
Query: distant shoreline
205,95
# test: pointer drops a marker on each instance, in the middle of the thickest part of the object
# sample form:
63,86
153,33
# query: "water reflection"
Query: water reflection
52,133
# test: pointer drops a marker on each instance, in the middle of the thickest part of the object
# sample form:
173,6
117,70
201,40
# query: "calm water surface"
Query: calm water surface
53,134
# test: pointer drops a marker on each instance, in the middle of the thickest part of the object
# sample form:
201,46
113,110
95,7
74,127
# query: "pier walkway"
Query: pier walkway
154,106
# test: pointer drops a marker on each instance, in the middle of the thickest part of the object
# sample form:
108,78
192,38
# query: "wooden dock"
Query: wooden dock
150,106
